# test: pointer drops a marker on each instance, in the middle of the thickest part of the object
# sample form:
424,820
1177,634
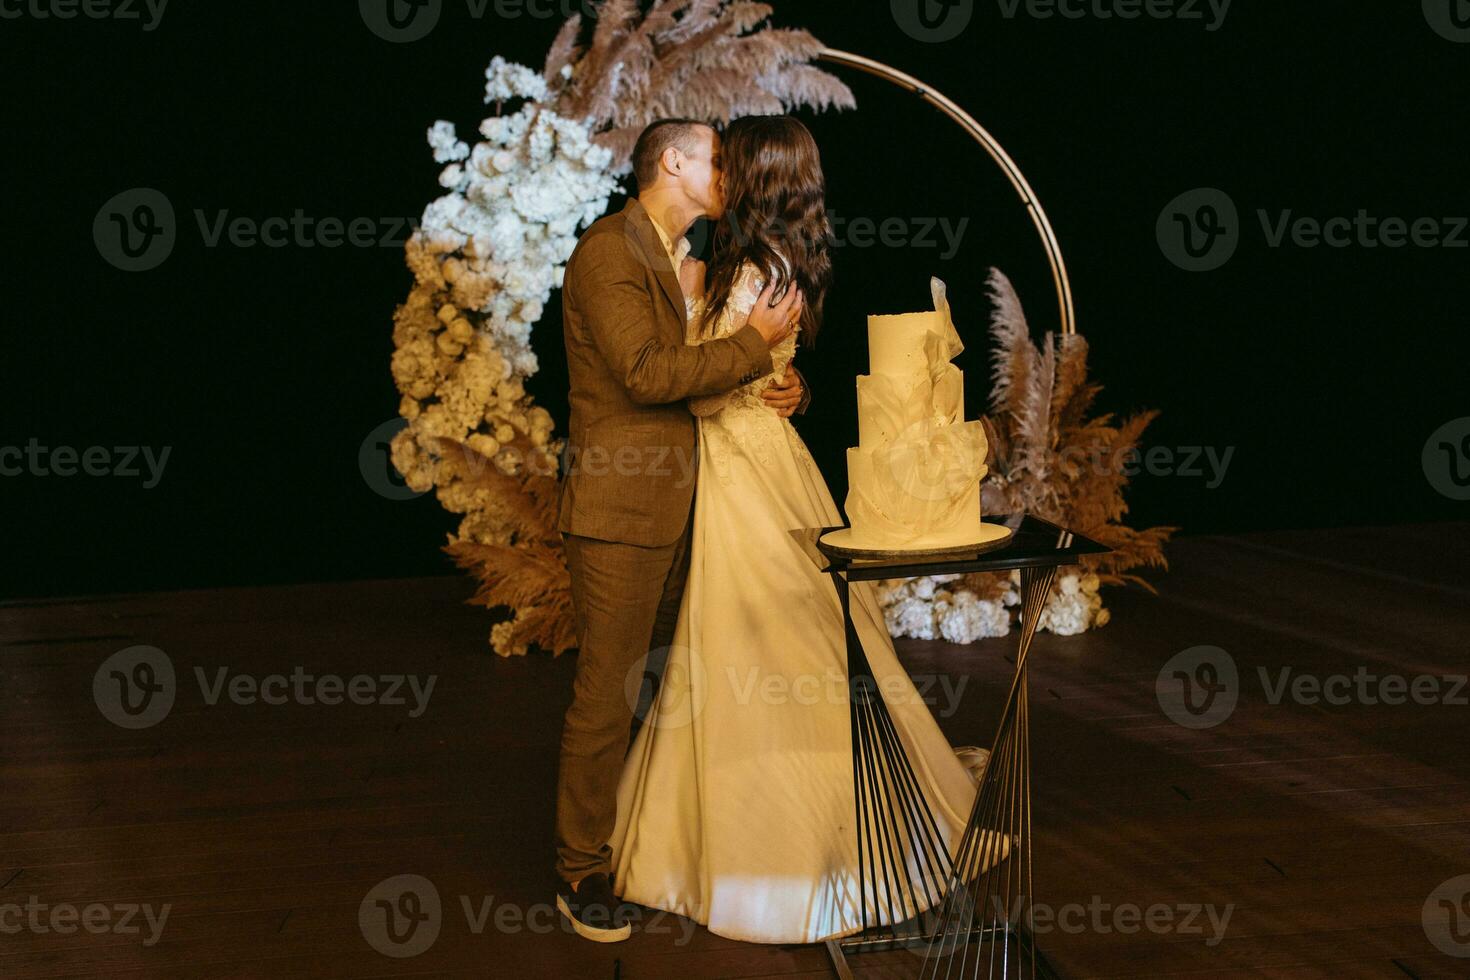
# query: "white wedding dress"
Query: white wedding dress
735,805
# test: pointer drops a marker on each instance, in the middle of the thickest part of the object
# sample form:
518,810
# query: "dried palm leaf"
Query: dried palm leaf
532,581
704,59
564,50
1049,459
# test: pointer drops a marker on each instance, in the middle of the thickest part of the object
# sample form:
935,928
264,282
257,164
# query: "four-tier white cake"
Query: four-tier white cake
914,476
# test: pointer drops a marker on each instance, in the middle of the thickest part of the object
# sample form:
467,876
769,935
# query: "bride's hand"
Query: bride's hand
691,278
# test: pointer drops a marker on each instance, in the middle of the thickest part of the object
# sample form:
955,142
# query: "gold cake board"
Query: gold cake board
839,542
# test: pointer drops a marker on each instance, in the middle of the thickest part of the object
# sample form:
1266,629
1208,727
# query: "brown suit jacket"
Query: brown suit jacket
629,467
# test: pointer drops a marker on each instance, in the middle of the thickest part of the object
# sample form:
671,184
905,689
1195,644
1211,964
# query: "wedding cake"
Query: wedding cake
914,476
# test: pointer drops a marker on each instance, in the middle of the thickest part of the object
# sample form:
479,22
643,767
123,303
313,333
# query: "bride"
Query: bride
736,802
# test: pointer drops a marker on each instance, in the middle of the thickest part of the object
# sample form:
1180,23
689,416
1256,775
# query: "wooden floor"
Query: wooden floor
1322,830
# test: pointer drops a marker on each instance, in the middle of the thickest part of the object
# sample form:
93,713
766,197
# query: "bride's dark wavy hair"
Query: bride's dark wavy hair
775,205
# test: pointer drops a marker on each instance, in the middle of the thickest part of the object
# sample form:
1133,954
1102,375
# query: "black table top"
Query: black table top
1033,543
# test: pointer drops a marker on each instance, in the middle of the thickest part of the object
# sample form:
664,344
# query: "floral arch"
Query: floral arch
489,252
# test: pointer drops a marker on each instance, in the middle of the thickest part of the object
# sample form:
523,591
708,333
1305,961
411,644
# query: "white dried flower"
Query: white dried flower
446,145
967,618
507,80
452,176
500,639
910,617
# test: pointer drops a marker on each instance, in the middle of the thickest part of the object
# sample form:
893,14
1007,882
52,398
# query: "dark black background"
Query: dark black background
265,369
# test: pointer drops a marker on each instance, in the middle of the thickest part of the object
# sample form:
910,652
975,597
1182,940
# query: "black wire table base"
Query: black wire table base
984,923
967,914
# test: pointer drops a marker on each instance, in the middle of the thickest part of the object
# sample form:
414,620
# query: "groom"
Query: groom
628,489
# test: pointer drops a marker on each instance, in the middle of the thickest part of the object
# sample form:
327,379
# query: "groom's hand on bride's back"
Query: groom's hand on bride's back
786,394
775,322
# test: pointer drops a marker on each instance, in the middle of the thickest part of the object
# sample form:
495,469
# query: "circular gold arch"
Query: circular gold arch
977,132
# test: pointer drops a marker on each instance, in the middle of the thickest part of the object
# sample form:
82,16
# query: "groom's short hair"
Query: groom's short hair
658,136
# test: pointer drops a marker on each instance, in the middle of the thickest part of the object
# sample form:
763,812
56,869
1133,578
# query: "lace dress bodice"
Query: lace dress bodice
739,420
746,290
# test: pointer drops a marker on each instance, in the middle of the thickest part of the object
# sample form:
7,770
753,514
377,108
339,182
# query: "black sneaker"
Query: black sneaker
592,909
